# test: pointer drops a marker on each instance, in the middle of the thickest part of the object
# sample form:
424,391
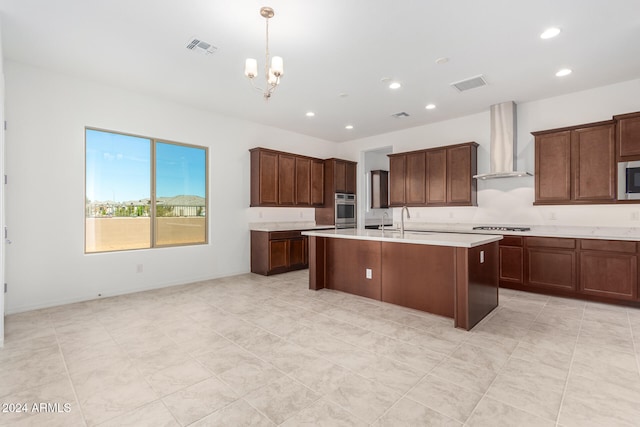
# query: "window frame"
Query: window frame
152,195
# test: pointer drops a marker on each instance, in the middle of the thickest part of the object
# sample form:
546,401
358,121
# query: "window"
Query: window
142,193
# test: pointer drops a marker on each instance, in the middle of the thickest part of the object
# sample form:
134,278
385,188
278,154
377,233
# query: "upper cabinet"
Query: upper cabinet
576,165
344,175
440,176
628,136
284,179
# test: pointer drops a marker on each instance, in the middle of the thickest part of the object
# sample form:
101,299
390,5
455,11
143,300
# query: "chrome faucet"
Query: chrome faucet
384,214
404,208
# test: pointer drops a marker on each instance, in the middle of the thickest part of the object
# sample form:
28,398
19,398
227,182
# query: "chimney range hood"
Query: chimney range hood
502,151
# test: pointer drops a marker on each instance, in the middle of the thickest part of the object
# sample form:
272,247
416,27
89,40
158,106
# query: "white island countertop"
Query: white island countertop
460,240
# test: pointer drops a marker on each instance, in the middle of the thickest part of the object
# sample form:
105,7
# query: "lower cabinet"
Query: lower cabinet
551,263
278,252
511,254
605,270
609,269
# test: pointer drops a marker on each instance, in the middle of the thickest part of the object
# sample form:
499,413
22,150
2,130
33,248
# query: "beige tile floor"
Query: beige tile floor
252,350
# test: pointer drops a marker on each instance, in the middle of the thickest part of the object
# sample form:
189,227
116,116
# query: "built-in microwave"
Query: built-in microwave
345,213
629,180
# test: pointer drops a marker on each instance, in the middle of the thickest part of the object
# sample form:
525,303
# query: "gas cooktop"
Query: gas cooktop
501,228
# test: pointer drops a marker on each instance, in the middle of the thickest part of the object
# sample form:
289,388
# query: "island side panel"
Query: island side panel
317,263
346,263
419,276
476,284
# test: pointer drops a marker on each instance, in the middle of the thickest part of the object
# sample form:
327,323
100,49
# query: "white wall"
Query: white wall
2,191
46,114
510,201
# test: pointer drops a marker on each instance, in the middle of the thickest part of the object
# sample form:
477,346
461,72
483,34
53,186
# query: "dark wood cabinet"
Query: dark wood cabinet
264,178
553,167
576,165
303,181
628,136
285,179
551,263
511,268
415,179
344,176
461,167
397,173
379,189
278,252
595,269
339,177
440,176
609,269
437,177
317,182
594,163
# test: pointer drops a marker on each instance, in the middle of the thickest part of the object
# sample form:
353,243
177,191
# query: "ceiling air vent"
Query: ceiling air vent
198,45
400,115
470,83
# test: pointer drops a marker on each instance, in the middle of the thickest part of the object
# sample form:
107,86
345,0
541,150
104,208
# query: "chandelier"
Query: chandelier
273,73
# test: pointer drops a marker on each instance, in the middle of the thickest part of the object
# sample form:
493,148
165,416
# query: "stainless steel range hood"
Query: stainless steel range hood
502,152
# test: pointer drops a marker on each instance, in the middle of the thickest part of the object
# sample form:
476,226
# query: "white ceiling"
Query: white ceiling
332,47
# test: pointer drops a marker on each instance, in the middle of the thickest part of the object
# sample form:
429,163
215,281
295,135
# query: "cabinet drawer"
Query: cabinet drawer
511,241
551,242
277,235
609,245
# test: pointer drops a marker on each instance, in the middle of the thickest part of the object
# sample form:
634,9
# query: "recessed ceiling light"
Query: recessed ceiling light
394,85
430,106
348,127
310,114
564,72
343,95
550,33
442,60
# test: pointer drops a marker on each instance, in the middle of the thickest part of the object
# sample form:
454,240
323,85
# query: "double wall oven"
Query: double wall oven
345,210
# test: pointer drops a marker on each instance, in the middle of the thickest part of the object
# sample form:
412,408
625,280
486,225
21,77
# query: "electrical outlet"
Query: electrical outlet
139,268
481,257
635,216
301,214
368,273
417,214
552,216
259,214
450,214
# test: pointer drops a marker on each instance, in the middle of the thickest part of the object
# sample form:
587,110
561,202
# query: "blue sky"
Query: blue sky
118,167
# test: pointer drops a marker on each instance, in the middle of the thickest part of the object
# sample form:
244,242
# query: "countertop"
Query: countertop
566,231
461,240
287,226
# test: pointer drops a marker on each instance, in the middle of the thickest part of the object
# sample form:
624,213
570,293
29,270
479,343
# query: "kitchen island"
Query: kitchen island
449,274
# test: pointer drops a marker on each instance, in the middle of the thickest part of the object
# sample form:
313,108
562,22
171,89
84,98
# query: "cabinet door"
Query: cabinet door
553,167
437,177
397,172
278,254
340,176
459,176
379,189
268,181
303,181
350,177
298,252
609,275
415,186
317,183
286,180
628,130
511,264
594,163
551,268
